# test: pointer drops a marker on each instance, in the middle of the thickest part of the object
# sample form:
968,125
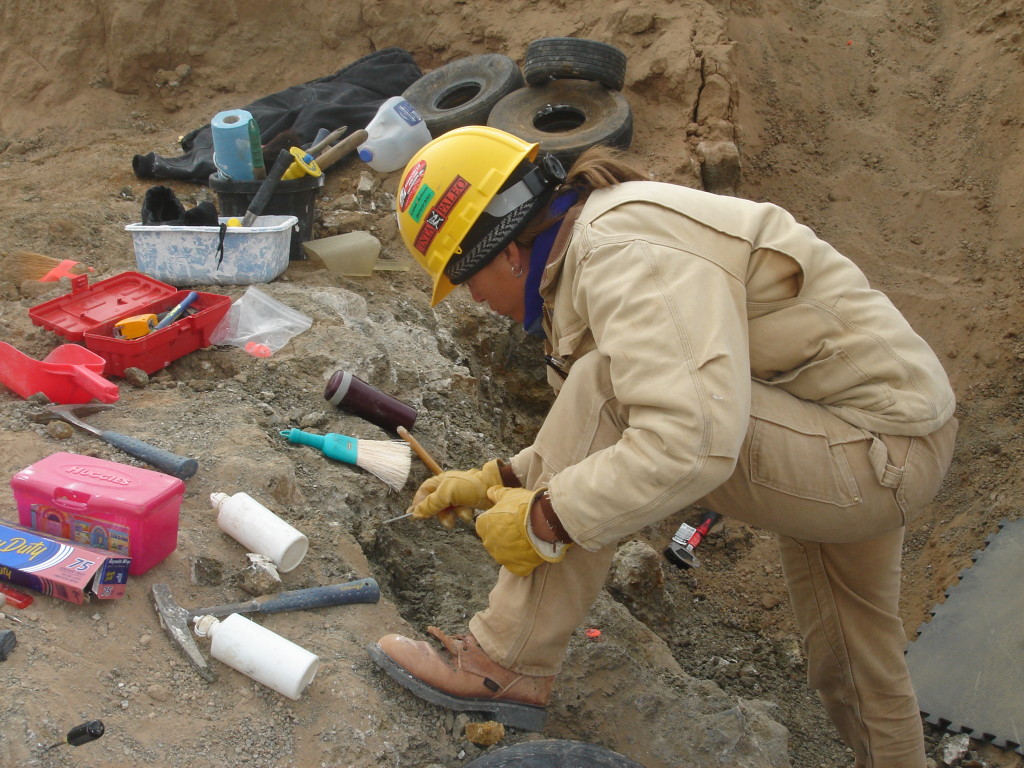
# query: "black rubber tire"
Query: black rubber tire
553,753
572,58
566,117
464,91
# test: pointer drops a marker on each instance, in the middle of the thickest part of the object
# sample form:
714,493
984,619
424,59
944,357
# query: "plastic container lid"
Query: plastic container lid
87,306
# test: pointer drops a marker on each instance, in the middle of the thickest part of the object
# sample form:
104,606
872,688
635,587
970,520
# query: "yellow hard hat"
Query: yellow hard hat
465,195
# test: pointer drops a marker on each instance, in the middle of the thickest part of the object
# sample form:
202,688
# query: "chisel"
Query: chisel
266,190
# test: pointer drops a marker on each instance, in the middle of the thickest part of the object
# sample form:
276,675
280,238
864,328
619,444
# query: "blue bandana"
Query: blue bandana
539,259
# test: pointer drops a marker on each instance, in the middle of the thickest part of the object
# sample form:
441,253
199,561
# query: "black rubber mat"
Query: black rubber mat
967,663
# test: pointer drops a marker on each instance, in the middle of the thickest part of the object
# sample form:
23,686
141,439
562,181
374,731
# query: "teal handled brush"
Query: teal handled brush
390,460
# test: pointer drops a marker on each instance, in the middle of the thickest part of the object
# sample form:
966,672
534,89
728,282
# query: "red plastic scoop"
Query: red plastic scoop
70,374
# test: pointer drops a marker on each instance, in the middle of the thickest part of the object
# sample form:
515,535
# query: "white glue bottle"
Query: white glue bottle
251,524
394,135
255,651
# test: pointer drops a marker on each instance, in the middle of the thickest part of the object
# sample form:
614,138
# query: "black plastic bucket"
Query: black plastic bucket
292,197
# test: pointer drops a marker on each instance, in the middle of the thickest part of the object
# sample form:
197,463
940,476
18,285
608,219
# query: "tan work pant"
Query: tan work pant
838,498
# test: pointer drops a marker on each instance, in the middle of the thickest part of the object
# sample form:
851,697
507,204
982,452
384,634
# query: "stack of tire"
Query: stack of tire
566,98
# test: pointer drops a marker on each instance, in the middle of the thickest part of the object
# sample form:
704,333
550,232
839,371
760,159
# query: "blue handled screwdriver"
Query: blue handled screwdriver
177,311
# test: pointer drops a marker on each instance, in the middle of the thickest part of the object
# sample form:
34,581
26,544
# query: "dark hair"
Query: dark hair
597,167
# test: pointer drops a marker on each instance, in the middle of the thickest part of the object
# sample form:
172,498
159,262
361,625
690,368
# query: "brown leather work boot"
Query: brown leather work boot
464,679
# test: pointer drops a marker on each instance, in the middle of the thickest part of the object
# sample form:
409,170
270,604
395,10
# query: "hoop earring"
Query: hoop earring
516,274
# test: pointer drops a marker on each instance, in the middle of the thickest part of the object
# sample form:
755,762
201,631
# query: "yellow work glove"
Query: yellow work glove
454,495
504,531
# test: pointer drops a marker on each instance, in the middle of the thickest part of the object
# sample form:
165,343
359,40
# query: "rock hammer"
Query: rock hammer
680,551
177,620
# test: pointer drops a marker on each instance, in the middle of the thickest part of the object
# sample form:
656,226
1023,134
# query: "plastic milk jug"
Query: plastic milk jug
393,136
255,651
251,524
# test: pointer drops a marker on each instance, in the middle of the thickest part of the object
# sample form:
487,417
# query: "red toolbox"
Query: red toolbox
88,314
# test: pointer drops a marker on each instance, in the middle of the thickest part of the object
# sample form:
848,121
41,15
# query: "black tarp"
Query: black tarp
349,97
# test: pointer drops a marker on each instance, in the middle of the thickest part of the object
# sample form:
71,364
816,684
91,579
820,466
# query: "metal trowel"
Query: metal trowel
181,467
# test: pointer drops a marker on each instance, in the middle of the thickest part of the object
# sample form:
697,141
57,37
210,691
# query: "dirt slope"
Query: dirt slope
893,129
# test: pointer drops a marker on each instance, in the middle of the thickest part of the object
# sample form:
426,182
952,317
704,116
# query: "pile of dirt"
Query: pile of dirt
892,129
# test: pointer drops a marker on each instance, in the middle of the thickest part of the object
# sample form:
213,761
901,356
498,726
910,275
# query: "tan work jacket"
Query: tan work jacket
689,296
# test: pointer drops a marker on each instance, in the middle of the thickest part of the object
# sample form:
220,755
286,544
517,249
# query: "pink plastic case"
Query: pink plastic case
104,504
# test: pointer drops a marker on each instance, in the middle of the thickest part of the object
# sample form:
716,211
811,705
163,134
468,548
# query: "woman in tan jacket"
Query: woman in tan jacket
708,350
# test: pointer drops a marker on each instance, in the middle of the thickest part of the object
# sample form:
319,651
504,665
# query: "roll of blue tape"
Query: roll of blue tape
232,152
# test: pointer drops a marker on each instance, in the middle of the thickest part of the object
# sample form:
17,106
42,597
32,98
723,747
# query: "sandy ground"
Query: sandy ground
893,129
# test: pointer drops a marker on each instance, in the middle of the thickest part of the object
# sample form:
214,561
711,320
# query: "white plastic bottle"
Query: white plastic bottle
253,525
393,136
255,651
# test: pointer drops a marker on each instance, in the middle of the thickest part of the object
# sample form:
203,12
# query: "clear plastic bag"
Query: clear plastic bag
259,324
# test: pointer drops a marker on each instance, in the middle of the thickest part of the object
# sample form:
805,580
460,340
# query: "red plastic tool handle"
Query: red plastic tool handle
16,598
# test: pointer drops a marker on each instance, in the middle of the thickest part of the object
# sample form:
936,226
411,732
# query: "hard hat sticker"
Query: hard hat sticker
439,213
410,185
423,199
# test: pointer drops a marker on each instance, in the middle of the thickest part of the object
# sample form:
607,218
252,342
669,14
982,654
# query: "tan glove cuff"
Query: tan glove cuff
496,472
551,551
508,475
543,500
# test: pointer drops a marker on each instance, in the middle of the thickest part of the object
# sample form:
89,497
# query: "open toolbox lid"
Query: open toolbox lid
87,306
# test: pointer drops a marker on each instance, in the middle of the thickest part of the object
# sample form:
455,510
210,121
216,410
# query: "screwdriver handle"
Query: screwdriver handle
177,311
